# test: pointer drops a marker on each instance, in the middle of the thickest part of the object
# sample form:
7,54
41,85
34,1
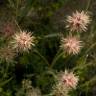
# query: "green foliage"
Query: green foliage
46,19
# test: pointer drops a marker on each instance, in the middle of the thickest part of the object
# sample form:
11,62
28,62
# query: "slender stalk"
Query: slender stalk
5,82
41,56
92,46
17,7
82,67
88,5
57,56
78,34
51,73
77,67
18,25
6,70
52,35
87,83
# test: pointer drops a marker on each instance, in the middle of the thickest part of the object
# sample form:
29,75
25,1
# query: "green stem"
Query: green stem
17,7
18,25
41,56
78,34
92,46
57,56
88,4
6,70
51,73
52,35
82,67
5,82
77,67
87,83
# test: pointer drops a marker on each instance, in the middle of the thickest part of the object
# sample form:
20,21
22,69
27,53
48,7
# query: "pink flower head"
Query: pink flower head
9,29
23,41
78,21
71,45
70,80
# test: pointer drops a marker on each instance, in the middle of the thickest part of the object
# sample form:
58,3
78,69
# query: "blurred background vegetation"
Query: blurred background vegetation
46,19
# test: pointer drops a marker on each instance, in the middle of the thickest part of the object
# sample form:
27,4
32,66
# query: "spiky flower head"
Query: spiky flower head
78,21
71,45
23,41
26,84
7,54
69,79
66,81
29,89
59,89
